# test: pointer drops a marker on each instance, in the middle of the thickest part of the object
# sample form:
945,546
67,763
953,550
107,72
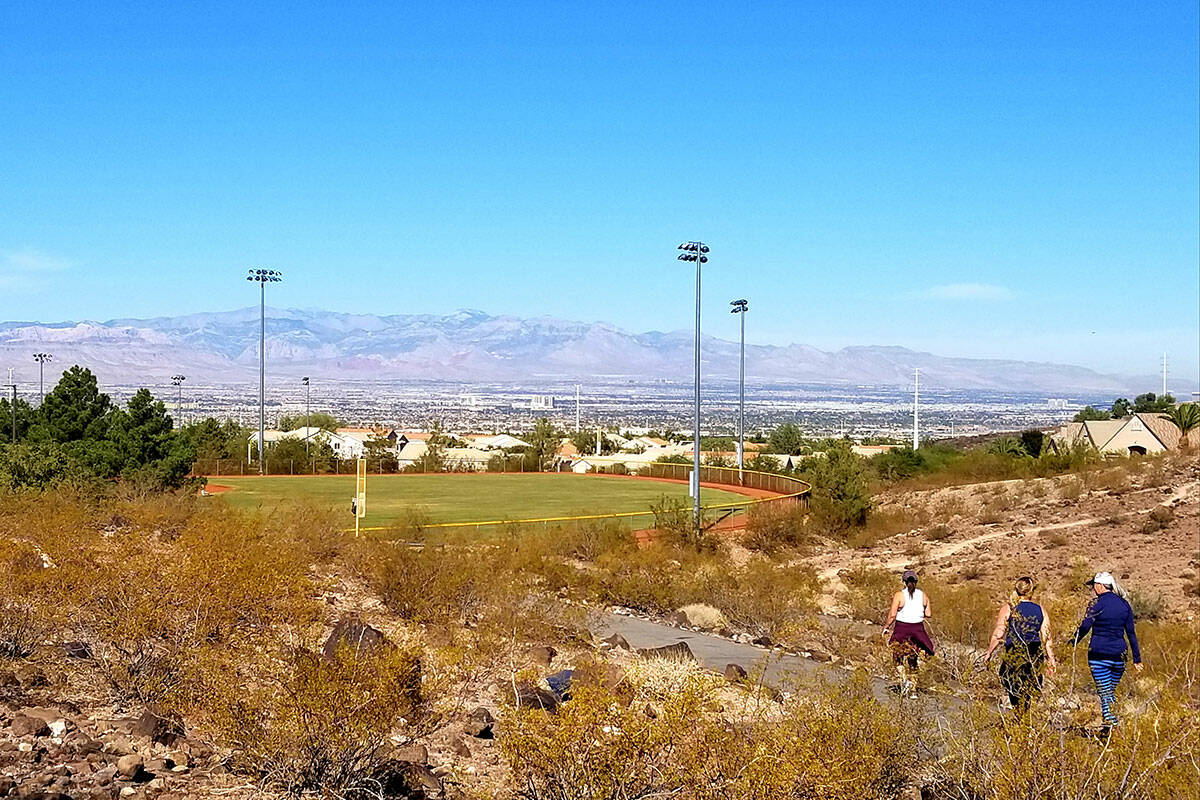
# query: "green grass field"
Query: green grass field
466,498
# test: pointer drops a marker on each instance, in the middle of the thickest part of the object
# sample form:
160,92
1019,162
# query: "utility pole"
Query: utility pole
916,429
698,252
307,416
177,382
13,407
740,307
42,358
262,277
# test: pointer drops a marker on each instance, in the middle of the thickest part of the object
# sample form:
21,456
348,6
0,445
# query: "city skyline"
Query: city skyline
994,183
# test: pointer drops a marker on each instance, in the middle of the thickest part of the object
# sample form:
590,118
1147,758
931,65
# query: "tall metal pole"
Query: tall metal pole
262,374
740,307
42,358
696,251
916,385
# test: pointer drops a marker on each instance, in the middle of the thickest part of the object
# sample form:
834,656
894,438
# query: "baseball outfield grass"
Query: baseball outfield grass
464,497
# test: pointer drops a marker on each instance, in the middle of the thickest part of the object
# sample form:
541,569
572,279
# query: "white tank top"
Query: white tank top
913,609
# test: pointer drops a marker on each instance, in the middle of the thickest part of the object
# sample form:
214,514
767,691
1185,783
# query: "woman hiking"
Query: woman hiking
906,624
1109,619
1023,627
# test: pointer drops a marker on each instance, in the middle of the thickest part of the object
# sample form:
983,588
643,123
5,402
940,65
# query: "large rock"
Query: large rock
412,753
355,634
130,766
159,726
616,642
734,673
26,725
479,723
678,651
530,696
542,656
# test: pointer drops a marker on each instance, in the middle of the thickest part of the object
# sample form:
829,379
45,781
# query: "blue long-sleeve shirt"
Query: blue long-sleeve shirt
1110,620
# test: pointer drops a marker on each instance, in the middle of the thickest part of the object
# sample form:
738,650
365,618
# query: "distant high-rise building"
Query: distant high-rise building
542,402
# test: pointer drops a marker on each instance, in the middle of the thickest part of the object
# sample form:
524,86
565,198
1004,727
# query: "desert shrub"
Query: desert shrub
938,533
1158,519
1055,538
309,724
833,743
841,495
771,527
27,604
962,614
676,524
588,539
1146,605
766,598
1148,758
869,592
972,571
993,510
949,507
1070,489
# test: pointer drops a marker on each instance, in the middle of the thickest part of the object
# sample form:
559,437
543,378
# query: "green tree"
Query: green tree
841,493
787,439
1186,417
1150,403
1088,413
318,419
544,443
1121,408
903,462
32,466
75,409
585,443
434,457
1033,442
381,453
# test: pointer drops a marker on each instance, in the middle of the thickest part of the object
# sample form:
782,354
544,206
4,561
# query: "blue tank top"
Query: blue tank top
1024,625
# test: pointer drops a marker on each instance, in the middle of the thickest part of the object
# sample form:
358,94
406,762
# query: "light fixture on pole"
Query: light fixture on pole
262,277
740,307
42,358
697,252
177,382
307,421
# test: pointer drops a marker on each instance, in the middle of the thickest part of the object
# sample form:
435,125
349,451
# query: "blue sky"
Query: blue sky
1008,180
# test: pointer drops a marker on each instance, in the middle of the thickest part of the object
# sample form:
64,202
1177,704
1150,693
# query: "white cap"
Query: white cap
1104,578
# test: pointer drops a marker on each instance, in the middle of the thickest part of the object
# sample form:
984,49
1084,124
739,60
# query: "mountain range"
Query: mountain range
472,346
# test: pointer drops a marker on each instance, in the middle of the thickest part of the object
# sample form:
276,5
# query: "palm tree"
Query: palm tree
1186,417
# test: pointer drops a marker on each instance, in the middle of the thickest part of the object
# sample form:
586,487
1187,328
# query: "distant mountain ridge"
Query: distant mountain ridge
470,346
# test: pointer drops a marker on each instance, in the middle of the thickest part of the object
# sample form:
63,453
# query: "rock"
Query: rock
104,776
422,778
678,651
530,696
762,641
23,725
649,712
78,650
616,642
6,785
32,677
412,753
178,760
58,728
129,766
355,634
8,679
734,673
677,618
542,656
159,726
460,748
820,656
479,723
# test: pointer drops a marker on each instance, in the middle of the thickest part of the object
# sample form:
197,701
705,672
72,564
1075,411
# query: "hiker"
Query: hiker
906,626
1023,627
1110,620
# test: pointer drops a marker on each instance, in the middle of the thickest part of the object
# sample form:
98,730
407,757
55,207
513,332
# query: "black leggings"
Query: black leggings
1021,674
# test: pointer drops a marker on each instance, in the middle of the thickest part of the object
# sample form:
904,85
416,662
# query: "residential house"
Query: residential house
1139,434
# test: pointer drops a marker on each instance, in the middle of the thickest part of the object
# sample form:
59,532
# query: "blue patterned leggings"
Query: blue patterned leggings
1107,675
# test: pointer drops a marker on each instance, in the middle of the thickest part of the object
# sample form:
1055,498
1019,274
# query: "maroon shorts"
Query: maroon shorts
911,635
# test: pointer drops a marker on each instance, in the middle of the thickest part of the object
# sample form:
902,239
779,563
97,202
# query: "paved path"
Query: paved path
714,652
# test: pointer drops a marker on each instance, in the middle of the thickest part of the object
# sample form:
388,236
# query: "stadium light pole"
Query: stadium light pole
697,252
177,382
42,358
740,307
307,421
262,277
